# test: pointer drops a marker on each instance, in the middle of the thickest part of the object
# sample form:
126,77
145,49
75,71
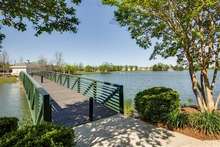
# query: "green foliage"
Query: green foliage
80,69
88,68
71,69
155,104
178,120
45,16
45,135
178,68
2,36
187,29
207,122
129,108
160,67
167,21
7,125
106,67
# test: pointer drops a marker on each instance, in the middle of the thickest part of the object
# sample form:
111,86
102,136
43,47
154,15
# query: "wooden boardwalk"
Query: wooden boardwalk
70,108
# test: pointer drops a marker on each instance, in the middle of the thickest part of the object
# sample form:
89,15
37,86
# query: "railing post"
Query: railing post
61,76
42,78
94,89
47,108
90,109
68,81
55,77
78,85
121,99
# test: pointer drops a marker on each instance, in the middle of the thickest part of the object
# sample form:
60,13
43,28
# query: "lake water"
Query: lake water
13,102
134,82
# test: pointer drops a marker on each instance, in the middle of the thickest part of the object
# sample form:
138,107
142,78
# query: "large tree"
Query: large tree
188,29
43,15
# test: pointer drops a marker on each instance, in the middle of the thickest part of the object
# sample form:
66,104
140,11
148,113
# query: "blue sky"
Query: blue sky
98,40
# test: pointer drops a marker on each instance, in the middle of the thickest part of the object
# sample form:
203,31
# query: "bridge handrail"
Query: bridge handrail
109,94
38,99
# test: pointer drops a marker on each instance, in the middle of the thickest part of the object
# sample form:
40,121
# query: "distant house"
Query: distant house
16,69
142,68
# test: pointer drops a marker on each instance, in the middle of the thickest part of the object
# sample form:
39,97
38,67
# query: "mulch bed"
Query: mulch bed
190,131
197,134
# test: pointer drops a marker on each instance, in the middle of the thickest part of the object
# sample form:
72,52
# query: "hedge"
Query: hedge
44,135
157,103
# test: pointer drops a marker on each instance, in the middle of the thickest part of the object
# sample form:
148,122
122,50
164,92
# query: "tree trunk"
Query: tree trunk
204,95
197,92
199,98
208,92
210,100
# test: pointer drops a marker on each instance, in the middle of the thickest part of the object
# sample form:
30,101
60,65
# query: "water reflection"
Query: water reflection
13,102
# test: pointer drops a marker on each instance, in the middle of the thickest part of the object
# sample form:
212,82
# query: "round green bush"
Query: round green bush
155,104
44,135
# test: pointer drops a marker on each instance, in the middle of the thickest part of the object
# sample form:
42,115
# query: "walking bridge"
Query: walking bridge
69,99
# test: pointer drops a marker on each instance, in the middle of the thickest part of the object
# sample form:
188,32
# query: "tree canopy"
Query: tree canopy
187,29
43,15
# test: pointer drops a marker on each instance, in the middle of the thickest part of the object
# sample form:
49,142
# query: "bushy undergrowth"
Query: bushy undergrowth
7,125
160,104
178,120
207,122
44,135
155,104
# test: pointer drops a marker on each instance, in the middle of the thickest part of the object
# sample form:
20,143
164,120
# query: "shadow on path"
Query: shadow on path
121,131
78,113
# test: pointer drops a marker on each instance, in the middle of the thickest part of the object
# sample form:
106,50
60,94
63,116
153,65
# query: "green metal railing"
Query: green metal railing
38,99
108,94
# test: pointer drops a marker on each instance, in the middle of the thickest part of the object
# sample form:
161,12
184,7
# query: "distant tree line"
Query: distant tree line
58,65
103,68
160,67
165,67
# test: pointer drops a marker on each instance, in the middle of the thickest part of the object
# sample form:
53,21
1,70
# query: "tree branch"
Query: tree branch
216,68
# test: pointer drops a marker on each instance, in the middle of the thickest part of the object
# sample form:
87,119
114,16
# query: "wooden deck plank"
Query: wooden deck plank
60,94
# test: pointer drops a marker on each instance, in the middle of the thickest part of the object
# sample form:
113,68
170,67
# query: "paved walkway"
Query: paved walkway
118,131
70,108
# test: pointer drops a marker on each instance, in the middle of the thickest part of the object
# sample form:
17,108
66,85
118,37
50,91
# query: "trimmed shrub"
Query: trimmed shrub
155,104
8,124
45,135
206,122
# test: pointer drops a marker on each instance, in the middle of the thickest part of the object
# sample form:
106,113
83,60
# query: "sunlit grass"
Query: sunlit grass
4,80
129,108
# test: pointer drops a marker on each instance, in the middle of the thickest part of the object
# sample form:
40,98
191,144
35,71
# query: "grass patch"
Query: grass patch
6,79
206,122
129,108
